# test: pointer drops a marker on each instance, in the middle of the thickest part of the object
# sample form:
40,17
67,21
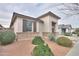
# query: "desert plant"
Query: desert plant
37,40
0,37
64,41
67,34
78,34
7,37
73,32
77,30
42,50
51,37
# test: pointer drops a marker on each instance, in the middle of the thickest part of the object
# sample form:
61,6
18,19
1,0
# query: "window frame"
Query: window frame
27,25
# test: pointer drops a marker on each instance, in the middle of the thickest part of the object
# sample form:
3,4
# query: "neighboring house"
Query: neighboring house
73,29
1,27
45,23
64,28
4,29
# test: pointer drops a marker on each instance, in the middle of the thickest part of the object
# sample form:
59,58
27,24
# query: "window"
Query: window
27,25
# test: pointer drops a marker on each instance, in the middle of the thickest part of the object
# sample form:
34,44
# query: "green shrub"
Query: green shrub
64,41
37,40
0,37
7,37
73,32
42,50
67,34
78,34
51,37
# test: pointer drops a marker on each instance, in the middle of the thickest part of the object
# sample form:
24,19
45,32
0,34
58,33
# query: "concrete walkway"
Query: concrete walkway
75,50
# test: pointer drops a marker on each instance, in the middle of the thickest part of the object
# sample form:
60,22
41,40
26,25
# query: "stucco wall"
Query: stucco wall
40,27
37,26
53,19
47,26
18,25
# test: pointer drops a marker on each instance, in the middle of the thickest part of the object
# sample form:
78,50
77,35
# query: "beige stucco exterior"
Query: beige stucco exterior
17,27
46,26
53,19
40,27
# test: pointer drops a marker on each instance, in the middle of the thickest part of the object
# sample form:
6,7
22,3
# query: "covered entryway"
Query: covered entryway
53,27
63,30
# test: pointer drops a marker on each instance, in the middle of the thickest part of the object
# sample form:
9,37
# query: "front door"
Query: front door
53,27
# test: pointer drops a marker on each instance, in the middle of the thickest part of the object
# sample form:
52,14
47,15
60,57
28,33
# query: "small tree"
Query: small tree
51,37
77,30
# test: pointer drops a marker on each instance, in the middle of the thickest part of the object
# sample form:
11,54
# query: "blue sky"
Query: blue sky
35,10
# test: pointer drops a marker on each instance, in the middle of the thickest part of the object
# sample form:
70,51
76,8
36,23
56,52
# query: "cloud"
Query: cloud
33,9
73,20
5,22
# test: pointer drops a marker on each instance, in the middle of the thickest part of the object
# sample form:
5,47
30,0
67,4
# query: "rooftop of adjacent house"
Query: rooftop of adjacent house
1,26
15,15
64,26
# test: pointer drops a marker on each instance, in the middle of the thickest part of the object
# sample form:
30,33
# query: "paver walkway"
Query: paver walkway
57,49
25,48
20,48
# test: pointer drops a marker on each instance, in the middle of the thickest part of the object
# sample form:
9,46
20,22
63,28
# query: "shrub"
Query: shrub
0,37
42,50
51,37
64,41
73,32
37,40
67,34
78,34
7,37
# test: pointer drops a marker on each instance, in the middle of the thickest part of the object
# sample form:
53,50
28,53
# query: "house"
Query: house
47,22
64,28
1,27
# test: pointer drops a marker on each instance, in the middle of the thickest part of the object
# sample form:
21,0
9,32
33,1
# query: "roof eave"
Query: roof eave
49,13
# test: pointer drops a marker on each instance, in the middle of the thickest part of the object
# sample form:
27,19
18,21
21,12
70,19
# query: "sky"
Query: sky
34,10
